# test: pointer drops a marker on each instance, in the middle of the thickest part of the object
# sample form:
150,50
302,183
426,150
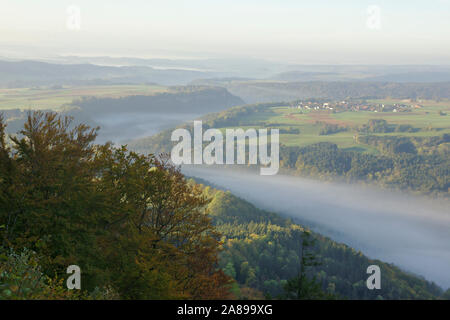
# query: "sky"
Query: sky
294,31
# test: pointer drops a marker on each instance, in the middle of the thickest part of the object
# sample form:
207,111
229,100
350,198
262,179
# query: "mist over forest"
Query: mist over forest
411,232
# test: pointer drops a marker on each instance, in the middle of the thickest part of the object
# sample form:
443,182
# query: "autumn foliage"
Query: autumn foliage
130,221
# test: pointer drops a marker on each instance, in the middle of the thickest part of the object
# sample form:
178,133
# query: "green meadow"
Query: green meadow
426,120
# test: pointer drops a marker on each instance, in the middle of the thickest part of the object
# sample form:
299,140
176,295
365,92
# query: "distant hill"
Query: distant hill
270,91
33,73
393,73
190,99
414,77
305,76
131,116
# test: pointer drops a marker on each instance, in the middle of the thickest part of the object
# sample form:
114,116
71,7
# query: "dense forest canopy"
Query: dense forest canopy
131,222
190,100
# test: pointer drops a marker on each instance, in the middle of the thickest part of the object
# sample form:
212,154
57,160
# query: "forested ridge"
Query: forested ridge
177,99
398,166
262,251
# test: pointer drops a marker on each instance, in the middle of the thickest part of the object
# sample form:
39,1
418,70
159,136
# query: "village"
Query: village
360,105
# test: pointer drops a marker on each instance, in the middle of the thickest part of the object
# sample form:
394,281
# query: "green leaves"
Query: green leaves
130,221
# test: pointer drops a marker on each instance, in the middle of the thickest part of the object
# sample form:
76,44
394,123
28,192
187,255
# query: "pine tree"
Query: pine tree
303,287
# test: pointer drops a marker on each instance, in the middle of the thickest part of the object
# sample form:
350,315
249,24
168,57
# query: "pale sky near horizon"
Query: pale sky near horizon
320,31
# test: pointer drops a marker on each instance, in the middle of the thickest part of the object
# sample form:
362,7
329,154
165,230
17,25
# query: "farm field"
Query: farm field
427,121
55,98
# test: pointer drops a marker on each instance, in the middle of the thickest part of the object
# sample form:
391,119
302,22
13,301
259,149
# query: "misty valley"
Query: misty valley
363,180
411,232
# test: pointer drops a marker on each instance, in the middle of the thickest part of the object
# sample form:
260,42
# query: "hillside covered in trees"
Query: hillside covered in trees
131,222
177,99
262,250
399,167
138,229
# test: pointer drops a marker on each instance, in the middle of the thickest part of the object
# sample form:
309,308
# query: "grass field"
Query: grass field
50,98
426,120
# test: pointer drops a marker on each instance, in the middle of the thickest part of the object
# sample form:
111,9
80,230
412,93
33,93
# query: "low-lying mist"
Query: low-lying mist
121,128
411,232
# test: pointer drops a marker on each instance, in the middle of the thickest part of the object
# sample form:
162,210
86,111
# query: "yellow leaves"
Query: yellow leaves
152,169
254,236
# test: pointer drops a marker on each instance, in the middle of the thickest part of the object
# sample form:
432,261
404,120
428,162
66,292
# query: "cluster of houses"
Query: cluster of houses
310,105
341,106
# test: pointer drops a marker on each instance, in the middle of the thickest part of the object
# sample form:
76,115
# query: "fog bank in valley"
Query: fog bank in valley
411,232
121,128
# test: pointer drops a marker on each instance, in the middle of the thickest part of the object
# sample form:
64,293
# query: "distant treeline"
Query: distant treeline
382,126
190,100
330,128
257,91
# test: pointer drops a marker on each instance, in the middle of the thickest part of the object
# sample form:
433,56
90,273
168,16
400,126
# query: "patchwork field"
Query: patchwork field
432,119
